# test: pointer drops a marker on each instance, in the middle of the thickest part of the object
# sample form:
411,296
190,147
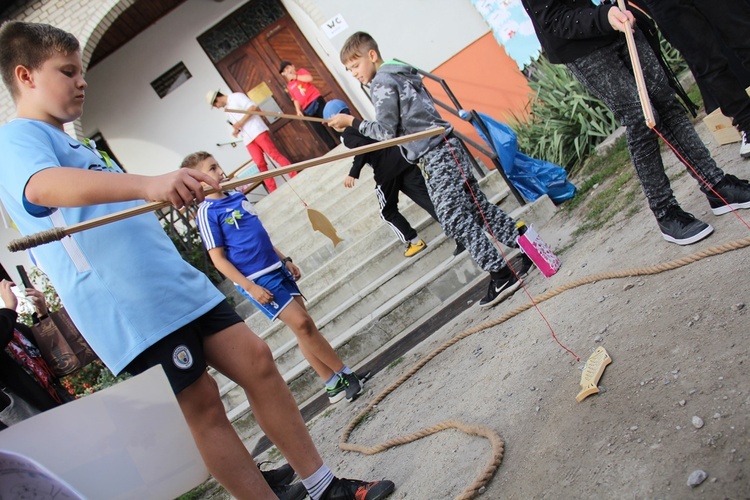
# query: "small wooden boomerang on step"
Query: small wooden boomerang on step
58,233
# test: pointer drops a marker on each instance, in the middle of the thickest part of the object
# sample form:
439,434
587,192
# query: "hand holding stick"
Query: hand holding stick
59,233
648,111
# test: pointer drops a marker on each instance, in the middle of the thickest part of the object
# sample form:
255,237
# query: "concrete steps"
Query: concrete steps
363,293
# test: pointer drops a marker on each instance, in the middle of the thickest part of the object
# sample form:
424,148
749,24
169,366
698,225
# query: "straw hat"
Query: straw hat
211,97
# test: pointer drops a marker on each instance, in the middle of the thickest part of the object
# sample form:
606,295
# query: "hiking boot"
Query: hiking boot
745,145
351,489
678,226
296,491
277,477
413,249
502,286
353,386
337,392
736,194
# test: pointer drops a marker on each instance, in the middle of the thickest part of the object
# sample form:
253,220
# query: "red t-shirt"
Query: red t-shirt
303,92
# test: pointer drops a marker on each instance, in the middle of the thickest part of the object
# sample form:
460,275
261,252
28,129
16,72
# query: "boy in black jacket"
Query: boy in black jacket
392,173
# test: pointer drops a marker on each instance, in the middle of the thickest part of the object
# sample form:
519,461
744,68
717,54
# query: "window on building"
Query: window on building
169,81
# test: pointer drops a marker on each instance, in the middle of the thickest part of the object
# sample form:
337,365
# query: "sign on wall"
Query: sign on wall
334,26
512,28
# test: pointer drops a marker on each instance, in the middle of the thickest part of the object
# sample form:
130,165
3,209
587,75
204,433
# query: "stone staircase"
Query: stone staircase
363,293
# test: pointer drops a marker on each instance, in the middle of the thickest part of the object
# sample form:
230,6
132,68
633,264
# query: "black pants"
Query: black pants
411,183
607,74
319,128
691,26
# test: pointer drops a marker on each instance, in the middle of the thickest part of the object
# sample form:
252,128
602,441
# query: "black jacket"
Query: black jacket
570,29
386,163
13,376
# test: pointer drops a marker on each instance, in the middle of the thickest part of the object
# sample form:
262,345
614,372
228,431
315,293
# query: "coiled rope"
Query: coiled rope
496,442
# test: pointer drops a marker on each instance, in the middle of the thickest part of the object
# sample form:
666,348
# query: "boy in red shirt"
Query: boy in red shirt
307,98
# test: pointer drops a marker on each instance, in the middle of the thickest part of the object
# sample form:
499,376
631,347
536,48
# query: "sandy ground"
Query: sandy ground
679,344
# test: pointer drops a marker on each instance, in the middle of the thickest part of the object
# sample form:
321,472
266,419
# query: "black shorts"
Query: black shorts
181,352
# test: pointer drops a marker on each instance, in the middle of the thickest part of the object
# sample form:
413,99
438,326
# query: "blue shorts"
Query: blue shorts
283,287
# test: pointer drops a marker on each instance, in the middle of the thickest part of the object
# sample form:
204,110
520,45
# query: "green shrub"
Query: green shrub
565,122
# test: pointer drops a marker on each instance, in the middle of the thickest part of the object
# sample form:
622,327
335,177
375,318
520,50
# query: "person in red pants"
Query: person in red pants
251,129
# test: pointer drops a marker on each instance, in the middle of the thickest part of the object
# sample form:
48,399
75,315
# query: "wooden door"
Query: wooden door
258,62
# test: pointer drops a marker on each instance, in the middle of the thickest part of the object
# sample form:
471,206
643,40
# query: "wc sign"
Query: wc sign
334,26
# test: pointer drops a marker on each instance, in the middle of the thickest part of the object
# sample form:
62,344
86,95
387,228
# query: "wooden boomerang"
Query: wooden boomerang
58,233
648,111
273,113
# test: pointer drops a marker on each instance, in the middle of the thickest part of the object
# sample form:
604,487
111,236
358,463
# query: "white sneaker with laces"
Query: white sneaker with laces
745,145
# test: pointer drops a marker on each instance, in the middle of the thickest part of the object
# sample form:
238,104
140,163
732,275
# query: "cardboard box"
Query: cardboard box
721,126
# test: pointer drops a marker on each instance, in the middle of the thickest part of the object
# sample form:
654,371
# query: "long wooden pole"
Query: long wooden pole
278,115
58,233
648,111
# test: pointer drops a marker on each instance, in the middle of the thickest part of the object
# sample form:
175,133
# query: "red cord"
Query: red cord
499,248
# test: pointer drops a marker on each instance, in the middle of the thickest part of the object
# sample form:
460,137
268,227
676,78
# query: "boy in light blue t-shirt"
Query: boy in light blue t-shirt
124,284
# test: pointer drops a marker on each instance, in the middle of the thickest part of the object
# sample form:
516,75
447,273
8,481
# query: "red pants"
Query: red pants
264,144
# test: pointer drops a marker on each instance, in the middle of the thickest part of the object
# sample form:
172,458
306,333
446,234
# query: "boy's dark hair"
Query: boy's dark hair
30,45
193,159
358,45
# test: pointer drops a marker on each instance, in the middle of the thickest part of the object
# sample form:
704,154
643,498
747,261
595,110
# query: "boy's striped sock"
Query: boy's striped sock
317,484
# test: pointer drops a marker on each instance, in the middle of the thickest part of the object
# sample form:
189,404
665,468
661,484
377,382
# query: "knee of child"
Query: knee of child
304,325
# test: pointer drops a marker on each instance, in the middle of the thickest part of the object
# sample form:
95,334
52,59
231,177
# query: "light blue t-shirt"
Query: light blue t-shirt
124,284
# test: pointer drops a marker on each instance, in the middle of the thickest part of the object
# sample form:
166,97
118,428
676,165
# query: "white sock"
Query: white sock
414,241
317,484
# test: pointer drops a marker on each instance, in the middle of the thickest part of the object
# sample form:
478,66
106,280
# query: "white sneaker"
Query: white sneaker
745,146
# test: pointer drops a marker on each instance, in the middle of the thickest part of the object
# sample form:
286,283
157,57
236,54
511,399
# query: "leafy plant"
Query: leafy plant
565,122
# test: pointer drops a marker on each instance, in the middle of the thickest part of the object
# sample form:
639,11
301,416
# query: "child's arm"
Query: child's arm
293,270
297,108
304,76
75,187
385,97
219,258
572,23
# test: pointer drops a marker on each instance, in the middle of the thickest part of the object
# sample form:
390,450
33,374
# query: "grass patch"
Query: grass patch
597,169
361,420
274,455
209,489
395,363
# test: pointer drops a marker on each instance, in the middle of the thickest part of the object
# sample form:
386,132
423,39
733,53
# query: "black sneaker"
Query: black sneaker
459,249
337,392
353,386
364,376
736,194
277,477
500,289
678,226
296,491
351,489
525,266
745,145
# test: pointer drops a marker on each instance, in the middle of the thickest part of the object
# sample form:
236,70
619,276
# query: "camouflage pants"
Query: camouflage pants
457,210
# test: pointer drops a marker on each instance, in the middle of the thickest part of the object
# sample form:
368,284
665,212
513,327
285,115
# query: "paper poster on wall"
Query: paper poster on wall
512,28
334,26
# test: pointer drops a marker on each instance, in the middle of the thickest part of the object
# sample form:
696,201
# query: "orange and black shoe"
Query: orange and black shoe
351,489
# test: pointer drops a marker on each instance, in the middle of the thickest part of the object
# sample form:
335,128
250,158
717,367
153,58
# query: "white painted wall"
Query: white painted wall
150,135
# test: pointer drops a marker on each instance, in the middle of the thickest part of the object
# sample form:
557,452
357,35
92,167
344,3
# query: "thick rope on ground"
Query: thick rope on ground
478,430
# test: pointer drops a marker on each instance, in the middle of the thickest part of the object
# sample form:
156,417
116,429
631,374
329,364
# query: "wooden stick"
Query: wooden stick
273,113
648,111
59,233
